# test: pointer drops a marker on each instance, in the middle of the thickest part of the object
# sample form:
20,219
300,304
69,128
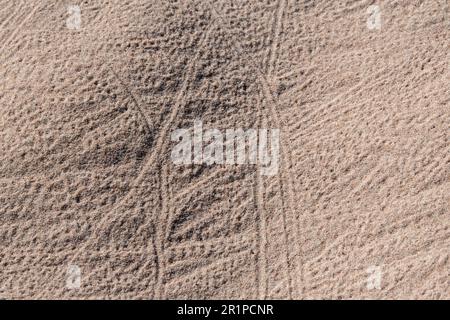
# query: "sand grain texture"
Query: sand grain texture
86,176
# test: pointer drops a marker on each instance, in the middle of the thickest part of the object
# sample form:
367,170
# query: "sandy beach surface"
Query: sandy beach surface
354,97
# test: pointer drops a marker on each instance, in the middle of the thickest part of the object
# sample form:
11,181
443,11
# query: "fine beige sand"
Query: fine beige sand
93,207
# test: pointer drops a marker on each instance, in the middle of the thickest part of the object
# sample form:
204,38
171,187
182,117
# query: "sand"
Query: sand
92,206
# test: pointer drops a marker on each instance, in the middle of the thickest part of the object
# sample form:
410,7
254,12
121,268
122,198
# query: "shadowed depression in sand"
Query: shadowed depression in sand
93,205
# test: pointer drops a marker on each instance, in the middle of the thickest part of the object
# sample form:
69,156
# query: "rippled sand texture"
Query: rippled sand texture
86,176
